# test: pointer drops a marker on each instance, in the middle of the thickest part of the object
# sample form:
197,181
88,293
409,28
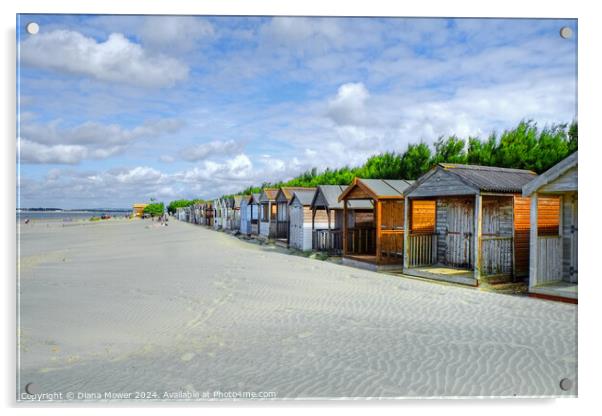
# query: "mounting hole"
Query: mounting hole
566,32
32,28
566,384
31,388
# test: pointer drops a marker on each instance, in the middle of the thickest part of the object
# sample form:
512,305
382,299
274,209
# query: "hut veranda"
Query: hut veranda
553,265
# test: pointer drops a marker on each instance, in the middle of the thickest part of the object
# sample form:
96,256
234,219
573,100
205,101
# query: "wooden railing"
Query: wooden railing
282,229
391,246
423,249
496,255
361,241
549,259
327,240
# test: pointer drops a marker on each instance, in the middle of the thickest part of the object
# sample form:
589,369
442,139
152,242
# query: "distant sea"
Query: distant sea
66,215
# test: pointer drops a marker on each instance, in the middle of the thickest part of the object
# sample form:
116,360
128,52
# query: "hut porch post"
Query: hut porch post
406,233
533,242
378,209
344,227
478,220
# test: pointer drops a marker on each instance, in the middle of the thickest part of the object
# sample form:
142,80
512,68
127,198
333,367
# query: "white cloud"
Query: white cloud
179,33
49,143
213,148
349,106
115,60
31,152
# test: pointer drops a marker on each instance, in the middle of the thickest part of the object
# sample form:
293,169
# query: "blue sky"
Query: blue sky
119,109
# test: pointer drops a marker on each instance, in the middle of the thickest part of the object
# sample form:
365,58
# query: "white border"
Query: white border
590,150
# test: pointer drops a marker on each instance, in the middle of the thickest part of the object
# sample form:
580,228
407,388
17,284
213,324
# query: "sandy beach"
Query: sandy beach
126,306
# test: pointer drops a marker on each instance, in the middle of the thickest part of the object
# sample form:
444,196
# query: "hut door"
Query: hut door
460,231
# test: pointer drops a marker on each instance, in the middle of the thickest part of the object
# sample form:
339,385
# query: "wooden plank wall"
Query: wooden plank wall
549,267
441,230
496,235
442,183
568,234
522,227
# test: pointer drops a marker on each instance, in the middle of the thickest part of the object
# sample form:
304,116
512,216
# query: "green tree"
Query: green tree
415,161
155,209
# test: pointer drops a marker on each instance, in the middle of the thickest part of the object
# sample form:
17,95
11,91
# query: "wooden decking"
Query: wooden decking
447,274
369,262
556,290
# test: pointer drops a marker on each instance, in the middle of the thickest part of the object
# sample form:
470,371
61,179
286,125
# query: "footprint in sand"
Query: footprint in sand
304,335
187,357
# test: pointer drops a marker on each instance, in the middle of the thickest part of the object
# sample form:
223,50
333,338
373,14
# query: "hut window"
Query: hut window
548,215
273,216
423,216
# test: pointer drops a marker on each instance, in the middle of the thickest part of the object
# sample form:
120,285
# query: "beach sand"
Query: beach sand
128,306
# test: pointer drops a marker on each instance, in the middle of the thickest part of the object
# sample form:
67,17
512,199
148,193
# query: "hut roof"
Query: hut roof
268,194
331,195
286,192
489,178
254,198
551,174
237,200
305,196
481,178
379,188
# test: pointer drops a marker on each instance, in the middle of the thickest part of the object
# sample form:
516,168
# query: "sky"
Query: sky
114,110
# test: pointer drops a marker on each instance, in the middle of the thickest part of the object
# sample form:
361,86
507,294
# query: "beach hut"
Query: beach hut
138,210
228,206
267,213
217,213
300,219
254,213
375,240
208,214
327,217
465,222
225,210
245,215
283,199
235,213
553,244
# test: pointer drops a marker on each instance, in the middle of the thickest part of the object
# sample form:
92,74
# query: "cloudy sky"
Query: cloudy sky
119,109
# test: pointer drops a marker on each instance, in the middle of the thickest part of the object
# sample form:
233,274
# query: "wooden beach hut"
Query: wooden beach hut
553,244
267,213
465,222
283,199
234,214
218,210
138,210
300,219
228,207
254,213
375,241
245,215
208,214
327,217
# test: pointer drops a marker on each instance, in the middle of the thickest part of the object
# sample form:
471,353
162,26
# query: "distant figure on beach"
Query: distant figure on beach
26,221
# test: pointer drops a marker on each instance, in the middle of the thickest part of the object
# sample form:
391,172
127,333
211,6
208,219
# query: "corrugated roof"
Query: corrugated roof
288,191
304,195
270,194
331,195
491,179
387,187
